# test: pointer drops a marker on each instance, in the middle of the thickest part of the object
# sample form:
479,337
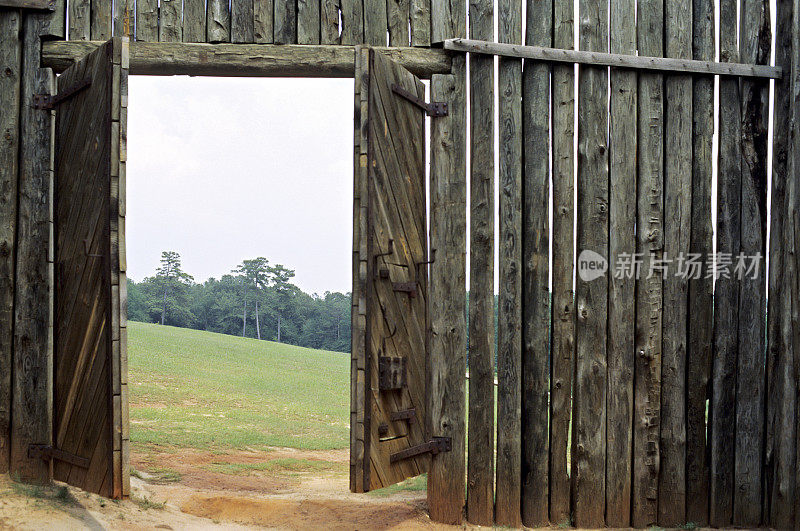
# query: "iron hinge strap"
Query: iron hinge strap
433,109
435,446
47,102
48,453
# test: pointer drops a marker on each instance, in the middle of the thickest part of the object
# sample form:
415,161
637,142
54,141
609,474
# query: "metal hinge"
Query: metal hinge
407,414
433,109
47,102
435,446
406,287
48,453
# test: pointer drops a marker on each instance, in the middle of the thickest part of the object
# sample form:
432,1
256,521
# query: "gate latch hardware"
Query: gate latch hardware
407,414
434,109
406,287
47,102
48,453
435,446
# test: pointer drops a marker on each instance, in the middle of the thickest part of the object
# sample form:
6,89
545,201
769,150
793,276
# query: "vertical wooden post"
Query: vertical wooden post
621,288
480,459
591,298
726,292
701,301
308,21
146,19
329,22
32,371
242,19
563,308
263,17
420,22
375,22
10,58
650,243
170,21
218,21
397,14
194,21
448,340
285,22
536,268
352,22
101,17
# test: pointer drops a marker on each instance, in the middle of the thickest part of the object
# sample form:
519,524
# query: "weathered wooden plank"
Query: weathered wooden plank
420,22
31,384
352,21
621,287
701,300
218,21
480,438
194,21
248,59
242,19
308,21
44,5
591,297
780,457
448,301
329,22
398,13
755,43
123,18
726,292
57,23
170,16
650,242
449,20
80,20
11,58
285,22
651,63
264,14
146,20
536,269
677,234
375,22
563,313
101,20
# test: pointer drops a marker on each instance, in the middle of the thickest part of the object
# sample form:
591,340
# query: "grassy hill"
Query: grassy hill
203,390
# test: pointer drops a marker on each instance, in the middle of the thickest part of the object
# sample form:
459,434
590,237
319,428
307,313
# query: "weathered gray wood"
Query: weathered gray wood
32,383
652,63
285,22
123,18
80,19
57,23
10,58
218,21
420,22
449,20
194,21
352,21
308,21
677,234
101,20
781,427
508,488
165,59
621,288
480,438
563,314
755,44
536,269
146,20
650,242
242,19
726,292
329,22
701,302
591,298
170,25
41,5
448,341
397,13
375,22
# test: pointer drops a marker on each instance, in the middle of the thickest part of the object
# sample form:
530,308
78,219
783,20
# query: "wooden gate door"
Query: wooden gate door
388,422
90,432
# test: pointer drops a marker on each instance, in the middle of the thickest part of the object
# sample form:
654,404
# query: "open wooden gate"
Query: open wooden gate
90,431
389,439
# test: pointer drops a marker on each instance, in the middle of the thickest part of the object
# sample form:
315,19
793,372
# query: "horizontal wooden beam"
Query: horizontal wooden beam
634,62
245,60
48,5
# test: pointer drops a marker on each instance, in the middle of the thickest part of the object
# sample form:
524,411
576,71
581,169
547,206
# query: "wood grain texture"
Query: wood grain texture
352,21
755,47
449,20
563,314
375,22
508,489
726,292
701,301
146,20
57,22
101,20
218,21
285,22
31,381
80,19
480,436
11,59
420,22
591,298
194,21
536,269
170,21
650,242
621,287
242,21
124,18
329,22
398,13
448,304
308,21
263,17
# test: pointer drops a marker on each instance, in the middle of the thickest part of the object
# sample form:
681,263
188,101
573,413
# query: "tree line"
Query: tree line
256,300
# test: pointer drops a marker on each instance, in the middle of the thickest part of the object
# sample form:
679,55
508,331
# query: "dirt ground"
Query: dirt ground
192,489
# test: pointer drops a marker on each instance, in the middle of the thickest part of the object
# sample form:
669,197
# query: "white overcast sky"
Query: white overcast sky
224,169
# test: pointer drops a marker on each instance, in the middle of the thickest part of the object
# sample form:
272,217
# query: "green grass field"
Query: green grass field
202,390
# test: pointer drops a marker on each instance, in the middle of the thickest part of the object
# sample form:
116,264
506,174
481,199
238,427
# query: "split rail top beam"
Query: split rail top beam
635,62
